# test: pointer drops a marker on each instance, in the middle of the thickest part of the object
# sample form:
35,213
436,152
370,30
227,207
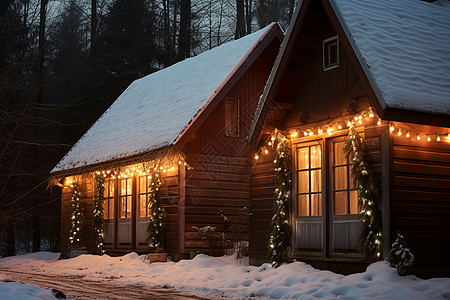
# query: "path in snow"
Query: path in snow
79,288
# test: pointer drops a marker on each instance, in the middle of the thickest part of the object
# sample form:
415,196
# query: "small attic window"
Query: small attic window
232,117
330,53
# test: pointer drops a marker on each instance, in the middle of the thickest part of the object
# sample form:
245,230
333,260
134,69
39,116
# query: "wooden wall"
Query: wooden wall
210,138
420,206
262,195
216,183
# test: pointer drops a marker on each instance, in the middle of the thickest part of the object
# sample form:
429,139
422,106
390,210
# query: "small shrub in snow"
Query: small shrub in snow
400,256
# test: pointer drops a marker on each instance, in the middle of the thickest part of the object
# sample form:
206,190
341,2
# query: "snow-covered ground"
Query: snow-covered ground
20,291
227,276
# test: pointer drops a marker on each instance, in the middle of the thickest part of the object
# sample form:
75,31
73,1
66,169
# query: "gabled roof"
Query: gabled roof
155,111
403,51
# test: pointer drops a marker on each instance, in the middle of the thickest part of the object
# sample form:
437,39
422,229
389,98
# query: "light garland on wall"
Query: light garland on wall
98,212
155,228
74,235
360,119
280,237
368,197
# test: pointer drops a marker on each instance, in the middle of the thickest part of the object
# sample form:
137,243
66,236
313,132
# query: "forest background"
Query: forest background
63,63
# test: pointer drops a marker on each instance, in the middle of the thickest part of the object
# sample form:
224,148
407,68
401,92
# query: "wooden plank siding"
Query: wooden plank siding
215,183
421,199
169,197
262,195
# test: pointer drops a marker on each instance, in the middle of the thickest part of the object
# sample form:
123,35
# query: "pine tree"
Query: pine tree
400,256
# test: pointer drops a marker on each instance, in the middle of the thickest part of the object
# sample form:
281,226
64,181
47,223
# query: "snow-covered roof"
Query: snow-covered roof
154,110
406,47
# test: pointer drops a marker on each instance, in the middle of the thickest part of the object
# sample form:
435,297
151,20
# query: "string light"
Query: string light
407,134
379,122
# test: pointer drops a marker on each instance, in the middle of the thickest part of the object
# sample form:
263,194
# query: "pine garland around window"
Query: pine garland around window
74,235
363,176
280,237
155,228
99,222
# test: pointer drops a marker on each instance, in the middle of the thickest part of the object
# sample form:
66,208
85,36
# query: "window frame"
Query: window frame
146,194
109,200
234,119
308,145
326,54
128,198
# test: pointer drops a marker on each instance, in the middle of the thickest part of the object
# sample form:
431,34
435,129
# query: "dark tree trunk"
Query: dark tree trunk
248,15
93,24
10,238
184,37
240,24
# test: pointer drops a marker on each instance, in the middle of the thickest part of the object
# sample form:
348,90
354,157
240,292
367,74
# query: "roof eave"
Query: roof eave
272,82
229,81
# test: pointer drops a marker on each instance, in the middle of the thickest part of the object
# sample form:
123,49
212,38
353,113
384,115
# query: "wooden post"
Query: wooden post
181,207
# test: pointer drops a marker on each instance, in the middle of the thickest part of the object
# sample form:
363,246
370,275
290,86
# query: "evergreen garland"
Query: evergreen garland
280,237
363,176
155,228
74,235
99,222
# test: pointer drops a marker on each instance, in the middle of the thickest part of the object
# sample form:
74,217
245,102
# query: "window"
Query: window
232,117
309,181
311,172
108,203
125,197
344,194
144,183
330,53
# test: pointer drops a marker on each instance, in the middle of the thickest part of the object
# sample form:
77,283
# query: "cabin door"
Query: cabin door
326,220
345,222
142,213
108,210
307,215
124,226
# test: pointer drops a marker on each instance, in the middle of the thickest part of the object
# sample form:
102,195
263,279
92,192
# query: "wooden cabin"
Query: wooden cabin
191,121
383,65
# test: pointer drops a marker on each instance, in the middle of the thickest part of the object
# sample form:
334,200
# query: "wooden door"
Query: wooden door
125,199
307,215
109,213
325,217
142,213
345,222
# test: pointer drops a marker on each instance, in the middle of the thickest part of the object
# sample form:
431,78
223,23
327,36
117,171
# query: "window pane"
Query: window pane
143,205
354,207
129,207
111,208
123,187
123,207
303,205
316,157
316,204
340,203
111,189
142,184
316,180
105,192
303,182
340,178
129,186
303,158
339,158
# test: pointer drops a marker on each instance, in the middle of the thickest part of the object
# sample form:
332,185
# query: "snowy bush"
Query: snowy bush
400,256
